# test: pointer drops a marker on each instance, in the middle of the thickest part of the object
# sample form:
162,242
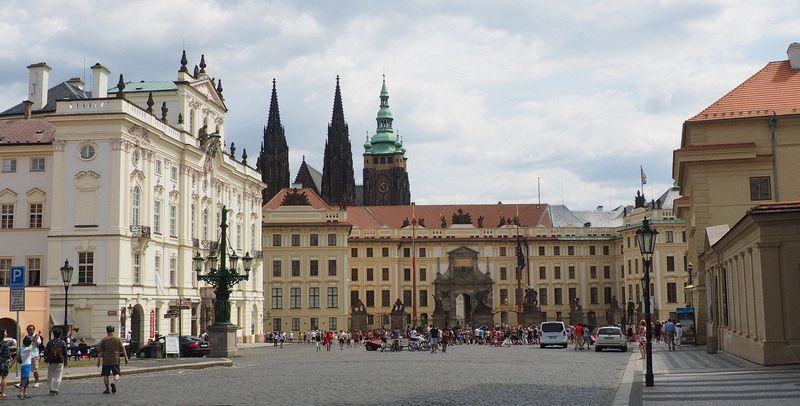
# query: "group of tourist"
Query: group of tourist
669,332
31,350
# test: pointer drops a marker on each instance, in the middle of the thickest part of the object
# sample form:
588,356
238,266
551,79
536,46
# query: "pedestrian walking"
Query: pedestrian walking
316,336
669,334
446,335
35,354
5,362
587,337
108,352
578,333
678,333
642,338
24,356
434,332
55,355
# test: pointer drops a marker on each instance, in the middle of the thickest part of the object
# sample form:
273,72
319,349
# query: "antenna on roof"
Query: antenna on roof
539,189
84,73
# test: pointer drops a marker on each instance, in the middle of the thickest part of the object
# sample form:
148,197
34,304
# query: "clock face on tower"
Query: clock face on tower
383,186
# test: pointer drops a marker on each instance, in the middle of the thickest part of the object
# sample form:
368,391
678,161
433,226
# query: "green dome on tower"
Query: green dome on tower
384,141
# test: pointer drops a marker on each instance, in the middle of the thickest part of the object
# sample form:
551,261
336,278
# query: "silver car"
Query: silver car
610,337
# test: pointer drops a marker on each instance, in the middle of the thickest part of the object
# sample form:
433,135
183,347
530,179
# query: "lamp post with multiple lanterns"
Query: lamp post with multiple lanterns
646,237
66,277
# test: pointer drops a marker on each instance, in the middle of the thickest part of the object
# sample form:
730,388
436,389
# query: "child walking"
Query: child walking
24,357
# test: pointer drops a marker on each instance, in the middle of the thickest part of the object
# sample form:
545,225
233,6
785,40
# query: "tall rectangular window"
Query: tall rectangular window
670,237
314,323
406,274
276,324
423,252
313,240
276,240
541,250
158,167
313,267
573,293
384,252
385,300
542,273
205,224
331,240
276,268
5,271
503,295
407,297
353,252
670,264
332,323
137,269
672,292
607,295
173,220
593,272
385,274
295,298
570,250
593,298
606,271
34,271
503,273
277,298
173,271
295,324
295,267
369,275
37,164
423,274
86,267
354,275
423,297
557,272
502,251
592,250
406,252
543,296
353,297
239,236
173,173
571,271
331,267
295,240
369,253
760,188
7,216
370,298
157,216
36,215
556,250
605,250
558,296
333,297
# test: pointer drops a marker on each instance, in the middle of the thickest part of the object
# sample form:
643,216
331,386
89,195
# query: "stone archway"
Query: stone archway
463,278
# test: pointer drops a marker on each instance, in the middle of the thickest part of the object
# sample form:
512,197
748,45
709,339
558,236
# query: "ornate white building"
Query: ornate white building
136,178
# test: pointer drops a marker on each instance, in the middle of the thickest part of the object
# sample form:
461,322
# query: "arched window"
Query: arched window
137,201
205,224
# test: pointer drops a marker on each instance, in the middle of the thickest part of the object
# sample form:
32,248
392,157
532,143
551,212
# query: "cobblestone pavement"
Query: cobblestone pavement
299,375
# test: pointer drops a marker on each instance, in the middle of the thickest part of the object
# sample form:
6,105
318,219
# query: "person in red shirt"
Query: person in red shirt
578,336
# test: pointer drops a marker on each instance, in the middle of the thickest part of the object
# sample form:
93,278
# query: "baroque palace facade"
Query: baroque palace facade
127,184
321,260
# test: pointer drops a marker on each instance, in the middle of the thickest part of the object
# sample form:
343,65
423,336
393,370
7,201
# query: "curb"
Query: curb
624,390
225,362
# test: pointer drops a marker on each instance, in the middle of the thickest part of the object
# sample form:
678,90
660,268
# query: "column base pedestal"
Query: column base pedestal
223,340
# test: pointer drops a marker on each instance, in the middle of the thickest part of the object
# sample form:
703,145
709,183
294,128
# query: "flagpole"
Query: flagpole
518,251
413,267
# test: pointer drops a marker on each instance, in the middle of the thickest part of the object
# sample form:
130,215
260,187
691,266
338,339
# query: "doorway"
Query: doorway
137,326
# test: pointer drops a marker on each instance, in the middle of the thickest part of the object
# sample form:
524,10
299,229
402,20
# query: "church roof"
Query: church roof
371,217
307,172
61,91
773,90
31,131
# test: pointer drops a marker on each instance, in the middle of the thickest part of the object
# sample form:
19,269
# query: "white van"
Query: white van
553,333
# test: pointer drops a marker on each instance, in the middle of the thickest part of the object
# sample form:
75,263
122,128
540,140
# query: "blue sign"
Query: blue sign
17,277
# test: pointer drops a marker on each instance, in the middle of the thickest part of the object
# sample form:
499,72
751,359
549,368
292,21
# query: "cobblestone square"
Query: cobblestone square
297,374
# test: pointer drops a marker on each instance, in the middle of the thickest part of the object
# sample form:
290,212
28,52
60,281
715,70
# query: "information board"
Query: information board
17,300
173,345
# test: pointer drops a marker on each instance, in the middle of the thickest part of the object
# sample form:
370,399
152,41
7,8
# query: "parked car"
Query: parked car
610,337
553,333
190,346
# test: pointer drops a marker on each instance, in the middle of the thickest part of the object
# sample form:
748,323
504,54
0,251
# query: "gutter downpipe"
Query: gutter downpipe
773,123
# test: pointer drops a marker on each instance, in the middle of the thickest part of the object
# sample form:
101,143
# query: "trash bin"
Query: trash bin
158,350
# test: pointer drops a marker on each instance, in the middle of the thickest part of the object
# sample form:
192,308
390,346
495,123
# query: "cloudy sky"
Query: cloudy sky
488,96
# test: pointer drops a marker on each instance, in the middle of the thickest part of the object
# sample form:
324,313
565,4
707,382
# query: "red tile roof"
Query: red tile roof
26,132
313,198
775,89
372,217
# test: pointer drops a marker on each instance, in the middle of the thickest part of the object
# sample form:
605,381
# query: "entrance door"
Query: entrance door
137,325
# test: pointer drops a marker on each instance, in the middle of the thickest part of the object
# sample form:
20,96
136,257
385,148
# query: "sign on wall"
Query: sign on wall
17,300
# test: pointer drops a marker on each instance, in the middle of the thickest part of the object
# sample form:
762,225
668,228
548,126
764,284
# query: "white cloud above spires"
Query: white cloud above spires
487,97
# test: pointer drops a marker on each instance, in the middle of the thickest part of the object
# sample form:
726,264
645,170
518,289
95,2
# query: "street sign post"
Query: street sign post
17,277
17,303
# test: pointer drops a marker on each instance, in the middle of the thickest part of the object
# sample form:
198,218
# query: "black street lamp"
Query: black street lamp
66,277
222,278
646,237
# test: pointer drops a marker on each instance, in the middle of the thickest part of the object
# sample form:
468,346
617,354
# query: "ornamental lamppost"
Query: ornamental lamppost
222,277
66,277
646,237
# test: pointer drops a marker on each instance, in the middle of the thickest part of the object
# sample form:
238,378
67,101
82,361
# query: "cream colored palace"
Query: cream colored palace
126,184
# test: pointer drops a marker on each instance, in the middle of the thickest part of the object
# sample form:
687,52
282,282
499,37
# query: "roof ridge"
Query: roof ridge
748,80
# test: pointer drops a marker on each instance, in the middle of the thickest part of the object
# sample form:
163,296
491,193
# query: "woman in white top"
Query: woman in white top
678,334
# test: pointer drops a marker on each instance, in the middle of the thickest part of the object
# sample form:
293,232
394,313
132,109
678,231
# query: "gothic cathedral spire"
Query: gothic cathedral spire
338,183
274,158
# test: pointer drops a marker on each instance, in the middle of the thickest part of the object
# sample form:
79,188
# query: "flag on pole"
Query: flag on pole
520,256
644,177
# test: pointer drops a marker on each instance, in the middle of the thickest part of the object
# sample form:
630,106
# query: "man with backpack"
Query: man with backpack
55,355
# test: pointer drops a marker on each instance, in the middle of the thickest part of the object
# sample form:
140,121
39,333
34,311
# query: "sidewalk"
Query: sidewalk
135,366
690,375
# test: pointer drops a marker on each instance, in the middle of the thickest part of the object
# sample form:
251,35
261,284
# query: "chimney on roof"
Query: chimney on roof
794,55
27,106
99,81
38,76
76,82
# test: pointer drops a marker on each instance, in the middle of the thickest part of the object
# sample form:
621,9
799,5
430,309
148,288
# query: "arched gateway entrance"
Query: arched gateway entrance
466,291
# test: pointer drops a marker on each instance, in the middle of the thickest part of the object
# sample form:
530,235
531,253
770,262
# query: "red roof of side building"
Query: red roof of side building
372,217
30,131
775,89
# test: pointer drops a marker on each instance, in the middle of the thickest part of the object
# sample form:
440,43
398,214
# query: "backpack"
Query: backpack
55,355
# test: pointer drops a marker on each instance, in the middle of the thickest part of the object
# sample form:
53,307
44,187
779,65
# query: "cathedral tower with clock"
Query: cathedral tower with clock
385,174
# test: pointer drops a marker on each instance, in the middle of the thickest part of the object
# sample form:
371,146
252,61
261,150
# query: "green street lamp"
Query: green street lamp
646,237
222,277
66,277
